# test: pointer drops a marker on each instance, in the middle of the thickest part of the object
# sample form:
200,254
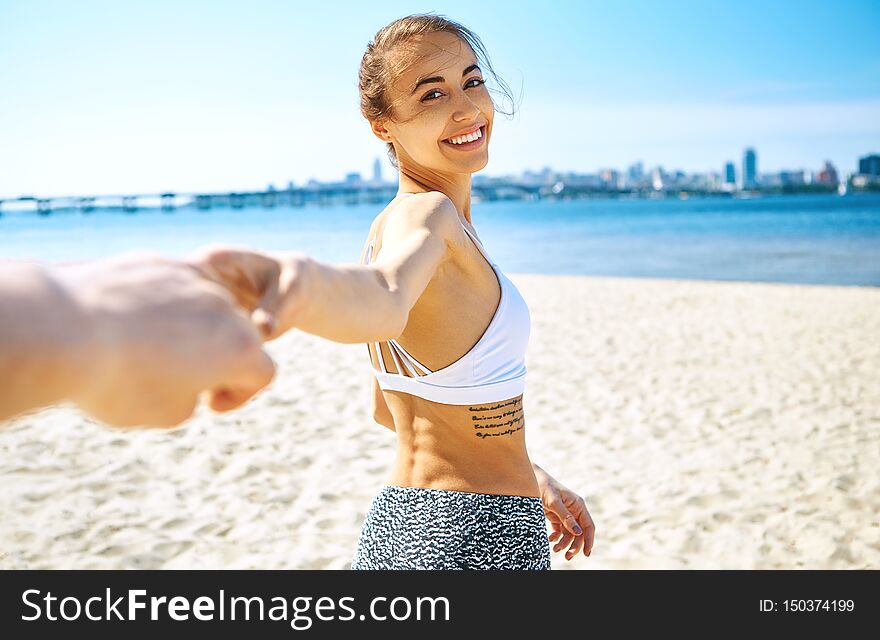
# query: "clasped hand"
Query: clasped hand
139,339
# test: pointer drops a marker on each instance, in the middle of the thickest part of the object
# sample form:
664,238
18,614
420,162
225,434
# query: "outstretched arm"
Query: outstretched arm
349,303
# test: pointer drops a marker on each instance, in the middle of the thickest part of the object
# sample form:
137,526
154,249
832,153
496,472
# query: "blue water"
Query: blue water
813,239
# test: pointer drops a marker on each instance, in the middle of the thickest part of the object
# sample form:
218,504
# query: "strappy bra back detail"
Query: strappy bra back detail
494,369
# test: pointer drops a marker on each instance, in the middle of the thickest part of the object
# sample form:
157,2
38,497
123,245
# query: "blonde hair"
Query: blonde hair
387,55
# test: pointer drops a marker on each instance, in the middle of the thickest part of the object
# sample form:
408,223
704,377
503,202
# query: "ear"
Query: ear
379,130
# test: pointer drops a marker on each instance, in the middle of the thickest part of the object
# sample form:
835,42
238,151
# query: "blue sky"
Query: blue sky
113,97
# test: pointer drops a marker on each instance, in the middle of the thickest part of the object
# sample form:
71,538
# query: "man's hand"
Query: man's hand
158,334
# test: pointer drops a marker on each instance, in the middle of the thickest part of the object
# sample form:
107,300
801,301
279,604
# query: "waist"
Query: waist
459,494
511,479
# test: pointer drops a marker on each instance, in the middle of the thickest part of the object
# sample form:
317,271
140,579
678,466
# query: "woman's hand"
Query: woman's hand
270,286
567,513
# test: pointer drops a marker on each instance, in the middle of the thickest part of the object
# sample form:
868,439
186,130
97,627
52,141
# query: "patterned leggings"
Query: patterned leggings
416,528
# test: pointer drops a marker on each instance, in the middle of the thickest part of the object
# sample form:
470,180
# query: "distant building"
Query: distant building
773,179
353,178
749,169
377,171
870,165
532,178
828,174
657,176
795,177
588,180
635,171
610,178
730,173
711,180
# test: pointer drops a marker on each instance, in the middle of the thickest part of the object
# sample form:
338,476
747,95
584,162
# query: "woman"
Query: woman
446,330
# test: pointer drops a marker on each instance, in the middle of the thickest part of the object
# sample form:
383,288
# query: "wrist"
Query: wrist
299,274
540,475
41,343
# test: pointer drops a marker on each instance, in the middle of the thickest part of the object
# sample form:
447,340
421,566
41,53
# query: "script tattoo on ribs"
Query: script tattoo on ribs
507,414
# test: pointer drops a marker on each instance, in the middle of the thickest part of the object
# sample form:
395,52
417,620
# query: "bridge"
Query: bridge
325,195
296,197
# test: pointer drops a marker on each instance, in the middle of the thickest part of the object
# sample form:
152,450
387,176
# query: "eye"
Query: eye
478,82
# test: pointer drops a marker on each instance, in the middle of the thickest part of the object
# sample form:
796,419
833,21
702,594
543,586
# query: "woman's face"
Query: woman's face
425,116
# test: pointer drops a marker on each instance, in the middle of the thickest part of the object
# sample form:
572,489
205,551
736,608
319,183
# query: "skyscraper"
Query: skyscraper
377,171
750,168
636,171
870,165
730,173
828,174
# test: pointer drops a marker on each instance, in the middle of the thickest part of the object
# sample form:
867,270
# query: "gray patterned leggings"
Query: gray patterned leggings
416,528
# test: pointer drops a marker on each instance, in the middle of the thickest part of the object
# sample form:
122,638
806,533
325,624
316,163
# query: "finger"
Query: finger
245,273
563,541
226,399
265,315
551,516
285,302
252,372
589,537
576,544
212,262
586,523
265,323
171,412
571,524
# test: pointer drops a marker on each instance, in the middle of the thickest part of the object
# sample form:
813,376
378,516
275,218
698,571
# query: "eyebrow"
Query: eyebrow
442,79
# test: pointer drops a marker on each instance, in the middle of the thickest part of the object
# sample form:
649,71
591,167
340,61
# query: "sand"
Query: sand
707,424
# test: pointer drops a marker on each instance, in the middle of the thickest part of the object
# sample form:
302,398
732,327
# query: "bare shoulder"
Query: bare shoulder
431,210
430,214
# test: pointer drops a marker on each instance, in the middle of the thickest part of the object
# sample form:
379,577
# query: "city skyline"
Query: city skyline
125,100
628,176
635,180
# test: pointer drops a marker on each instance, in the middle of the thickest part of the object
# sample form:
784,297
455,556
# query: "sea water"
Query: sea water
812,239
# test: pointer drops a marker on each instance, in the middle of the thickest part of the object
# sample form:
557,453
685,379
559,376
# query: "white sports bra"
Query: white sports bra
494,369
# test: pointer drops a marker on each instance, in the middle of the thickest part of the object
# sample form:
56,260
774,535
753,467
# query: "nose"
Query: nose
465,108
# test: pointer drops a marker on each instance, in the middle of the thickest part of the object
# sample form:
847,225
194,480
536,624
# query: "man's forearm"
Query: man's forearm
40,331
348,303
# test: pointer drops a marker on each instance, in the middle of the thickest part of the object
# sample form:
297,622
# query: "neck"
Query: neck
456,187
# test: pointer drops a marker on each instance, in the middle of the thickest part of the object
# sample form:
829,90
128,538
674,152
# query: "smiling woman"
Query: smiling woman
448,380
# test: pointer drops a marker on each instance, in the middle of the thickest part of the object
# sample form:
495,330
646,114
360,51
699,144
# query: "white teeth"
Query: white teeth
476,135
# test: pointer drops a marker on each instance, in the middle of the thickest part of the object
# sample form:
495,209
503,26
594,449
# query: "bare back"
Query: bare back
437,444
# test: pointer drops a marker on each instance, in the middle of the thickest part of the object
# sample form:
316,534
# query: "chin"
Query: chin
482,164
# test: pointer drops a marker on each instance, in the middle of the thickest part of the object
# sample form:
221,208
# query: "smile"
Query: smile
464,144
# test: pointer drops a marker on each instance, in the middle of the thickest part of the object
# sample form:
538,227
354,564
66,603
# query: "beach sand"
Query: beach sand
709,425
